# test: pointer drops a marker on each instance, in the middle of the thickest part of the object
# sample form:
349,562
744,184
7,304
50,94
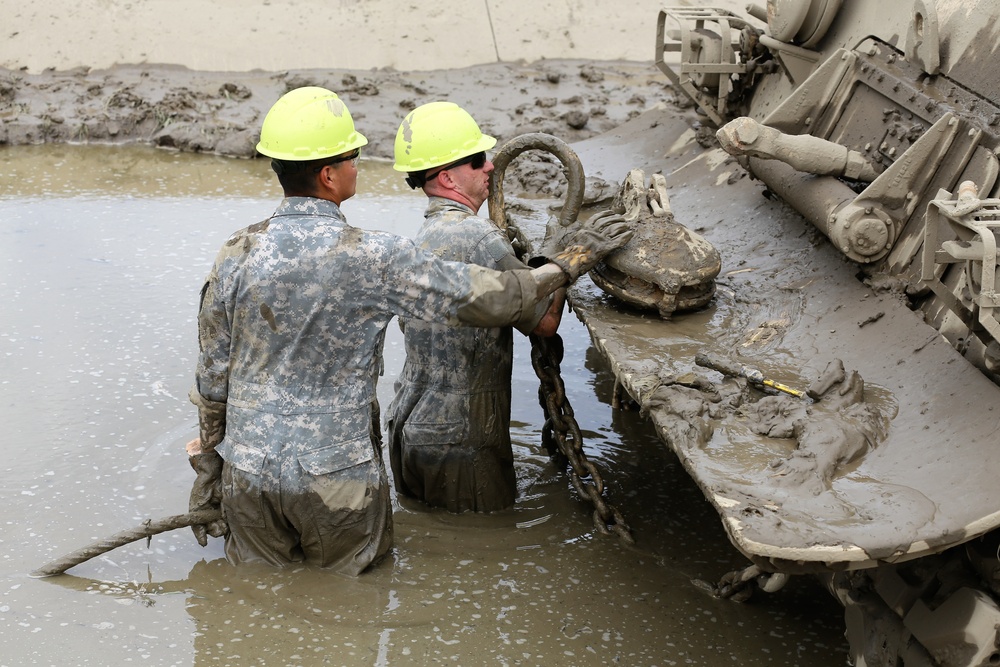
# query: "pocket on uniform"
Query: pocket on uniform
245,458
437,419
338,456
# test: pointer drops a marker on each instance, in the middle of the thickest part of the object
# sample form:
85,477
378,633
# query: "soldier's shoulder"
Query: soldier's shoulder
242,240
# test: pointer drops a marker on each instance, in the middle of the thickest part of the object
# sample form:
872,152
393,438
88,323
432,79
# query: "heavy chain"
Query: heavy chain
561,434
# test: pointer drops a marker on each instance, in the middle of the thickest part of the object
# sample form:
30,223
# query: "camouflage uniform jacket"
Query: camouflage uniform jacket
454,390
462,359
291,325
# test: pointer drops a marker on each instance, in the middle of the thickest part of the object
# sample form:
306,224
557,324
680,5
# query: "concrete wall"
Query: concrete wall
240,35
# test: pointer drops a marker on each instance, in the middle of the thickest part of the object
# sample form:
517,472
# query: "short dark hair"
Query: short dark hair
298,176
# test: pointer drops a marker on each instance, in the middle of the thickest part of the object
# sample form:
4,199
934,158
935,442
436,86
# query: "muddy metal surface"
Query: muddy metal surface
849,487
103,251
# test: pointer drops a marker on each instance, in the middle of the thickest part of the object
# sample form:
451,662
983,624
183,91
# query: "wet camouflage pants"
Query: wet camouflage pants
340,521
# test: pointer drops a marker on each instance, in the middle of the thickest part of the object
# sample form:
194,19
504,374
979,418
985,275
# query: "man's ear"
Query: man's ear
327,175
446,181
332,176
325,181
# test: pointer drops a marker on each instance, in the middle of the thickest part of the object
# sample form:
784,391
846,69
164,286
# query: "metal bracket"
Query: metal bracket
964,229
922,41
707,40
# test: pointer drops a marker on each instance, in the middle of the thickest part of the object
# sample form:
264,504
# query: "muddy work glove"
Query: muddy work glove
577,248
206,494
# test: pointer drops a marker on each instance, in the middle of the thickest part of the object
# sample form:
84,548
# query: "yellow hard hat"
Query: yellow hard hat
308,123
437,133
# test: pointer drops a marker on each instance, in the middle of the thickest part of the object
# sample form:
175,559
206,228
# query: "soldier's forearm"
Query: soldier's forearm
509,297
549,278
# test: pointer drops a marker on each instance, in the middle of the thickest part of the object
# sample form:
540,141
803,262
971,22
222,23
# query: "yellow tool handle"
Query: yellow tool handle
781,387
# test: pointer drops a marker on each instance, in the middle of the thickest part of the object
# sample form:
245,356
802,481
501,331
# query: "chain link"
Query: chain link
740,585
561,436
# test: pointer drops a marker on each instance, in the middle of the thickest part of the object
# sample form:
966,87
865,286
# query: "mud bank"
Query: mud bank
221,112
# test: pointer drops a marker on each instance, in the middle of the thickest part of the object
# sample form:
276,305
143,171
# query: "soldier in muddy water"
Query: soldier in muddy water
291,325
449,424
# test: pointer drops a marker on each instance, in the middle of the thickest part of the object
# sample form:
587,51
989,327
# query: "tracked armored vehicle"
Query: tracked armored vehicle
842,158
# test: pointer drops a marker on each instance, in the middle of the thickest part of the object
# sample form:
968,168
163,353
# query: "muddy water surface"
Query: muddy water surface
102,253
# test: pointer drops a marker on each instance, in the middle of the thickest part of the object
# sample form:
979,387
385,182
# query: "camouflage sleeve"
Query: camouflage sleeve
211,388
422,286
493,249
507,298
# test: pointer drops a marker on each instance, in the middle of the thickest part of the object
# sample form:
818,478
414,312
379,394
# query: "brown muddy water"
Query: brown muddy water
102,254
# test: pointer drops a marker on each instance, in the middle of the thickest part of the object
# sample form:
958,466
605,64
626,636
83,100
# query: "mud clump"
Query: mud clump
577,119
7,93
591,74
833,431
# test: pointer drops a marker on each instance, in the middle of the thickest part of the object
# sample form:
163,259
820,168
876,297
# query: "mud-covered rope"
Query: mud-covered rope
145,530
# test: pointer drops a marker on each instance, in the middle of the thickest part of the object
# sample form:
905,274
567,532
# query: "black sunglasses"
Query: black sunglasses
476,161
